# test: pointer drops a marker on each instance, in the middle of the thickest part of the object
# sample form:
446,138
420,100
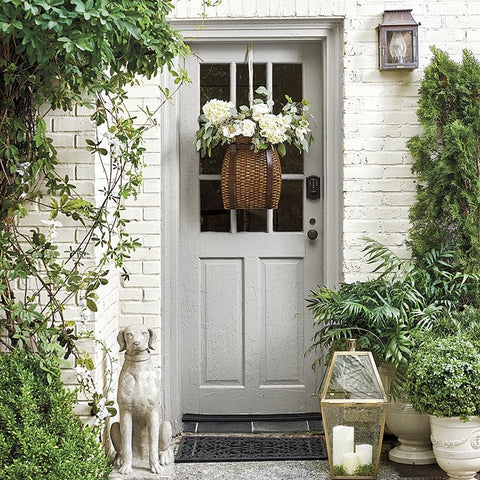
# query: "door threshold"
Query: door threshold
253,423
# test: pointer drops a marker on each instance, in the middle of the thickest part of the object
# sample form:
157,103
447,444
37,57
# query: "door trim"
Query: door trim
330,32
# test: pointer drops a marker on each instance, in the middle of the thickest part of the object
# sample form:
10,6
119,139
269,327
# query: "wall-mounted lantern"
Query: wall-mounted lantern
398,40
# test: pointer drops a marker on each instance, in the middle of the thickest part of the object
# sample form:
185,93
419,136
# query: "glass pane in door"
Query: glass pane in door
288,80
213,164
259,79
251,220
213,217
214,83
289,216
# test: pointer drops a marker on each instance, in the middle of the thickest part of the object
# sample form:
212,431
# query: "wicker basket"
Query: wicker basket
250,179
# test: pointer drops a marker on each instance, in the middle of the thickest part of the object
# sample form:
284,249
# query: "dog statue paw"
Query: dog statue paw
166,457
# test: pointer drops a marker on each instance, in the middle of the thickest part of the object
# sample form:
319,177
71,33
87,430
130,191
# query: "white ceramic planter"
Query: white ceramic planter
413,432
456,445
411,428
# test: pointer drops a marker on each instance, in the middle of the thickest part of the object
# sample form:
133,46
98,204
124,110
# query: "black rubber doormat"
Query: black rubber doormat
243,449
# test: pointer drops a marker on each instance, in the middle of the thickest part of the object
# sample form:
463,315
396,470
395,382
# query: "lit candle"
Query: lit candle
365,453
342,443
350,462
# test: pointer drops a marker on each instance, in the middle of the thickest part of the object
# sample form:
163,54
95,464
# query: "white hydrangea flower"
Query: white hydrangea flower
218,111
233,130
259,109
272,128
248,128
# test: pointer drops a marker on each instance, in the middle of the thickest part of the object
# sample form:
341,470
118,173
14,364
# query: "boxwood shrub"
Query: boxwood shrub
443,377
40,436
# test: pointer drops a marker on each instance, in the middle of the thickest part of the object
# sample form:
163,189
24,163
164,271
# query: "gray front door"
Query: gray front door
244,275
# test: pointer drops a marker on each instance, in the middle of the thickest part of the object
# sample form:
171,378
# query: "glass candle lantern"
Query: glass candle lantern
354,406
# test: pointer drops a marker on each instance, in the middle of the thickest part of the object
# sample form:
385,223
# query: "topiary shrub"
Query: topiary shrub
40,437
443,377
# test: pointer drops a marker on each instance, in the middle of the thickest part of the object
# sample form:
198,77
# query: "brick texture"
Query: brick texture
379,117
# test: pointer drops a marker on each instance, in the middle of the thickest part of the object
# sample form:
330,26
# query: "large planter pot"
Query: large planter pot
413,432
456,445
411,428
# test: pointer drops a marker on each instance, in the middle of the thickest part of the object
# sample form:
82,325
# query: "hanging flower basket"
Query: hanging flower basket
251,171
250,179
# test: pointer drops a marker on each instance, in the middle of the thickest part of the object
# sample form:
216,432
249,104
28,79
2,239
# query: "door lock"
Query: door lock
313,187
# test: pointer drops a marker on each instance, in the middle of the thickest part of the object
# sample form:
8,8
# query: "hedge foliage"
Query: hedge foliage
40,437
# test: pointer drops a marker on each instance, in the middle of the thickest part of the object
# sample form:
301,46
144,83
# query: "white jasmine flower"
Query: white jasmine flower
83,375
52,231
217,111
248,128
52,223
259,109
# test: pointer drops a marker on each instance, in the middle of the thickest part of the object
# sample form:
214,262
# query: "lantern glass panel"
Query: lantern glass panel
400,46
353,377
353,436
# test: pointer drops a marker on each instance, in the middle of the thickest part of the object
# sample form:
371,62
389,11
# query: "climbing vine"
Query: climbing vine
66,54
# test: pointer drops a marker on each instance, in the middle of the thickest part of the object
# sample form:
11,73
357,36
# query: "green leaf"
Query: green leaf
91,305
281,149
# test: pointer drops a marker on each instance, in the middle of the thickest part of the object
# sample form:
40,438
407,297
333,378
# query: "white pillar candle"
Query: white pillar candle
365,453
342,443
350,462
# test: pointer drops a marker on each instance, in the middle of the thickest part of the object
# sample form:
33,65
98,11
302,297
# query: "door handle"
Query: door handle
312,234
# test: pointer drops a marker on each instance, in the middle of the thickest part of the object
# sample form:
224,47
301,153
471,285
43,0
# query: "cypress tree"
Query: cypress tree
446,157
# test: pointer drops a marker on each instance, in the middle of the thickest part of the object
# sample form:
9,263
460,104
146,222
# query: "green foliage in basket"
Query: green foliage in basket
222,123
443,377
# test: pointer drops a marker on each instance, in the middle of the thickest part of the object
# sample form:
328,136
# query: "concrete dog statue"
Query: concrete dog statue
140,431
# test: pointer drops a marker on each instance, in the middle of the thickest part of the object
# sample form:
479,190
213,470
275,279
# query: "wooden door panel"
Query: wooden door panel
222,331
281,284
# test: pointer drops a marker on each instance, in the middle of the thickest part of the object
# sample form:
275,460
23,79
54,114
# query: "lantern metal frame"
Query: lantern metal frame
359,403
398,41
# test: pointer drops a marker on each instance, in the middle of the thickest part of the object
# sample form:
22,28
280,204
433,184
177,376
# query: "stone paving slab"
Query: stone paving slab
284,470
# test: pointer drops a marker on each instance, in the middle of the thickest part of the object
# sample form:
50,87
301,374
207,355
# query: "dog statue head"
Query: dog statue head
136,338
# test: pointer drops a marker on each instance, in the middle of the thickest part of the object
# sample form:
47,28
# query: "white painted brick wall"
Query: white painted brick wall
379,118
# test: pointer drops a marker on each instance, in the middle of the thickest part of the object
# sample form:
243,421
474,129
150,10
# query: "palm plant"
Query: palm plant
386,313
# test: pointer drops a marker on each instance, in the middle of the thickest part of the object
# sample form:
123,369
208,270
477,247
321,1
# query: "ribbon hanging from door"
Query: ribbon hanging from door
250,73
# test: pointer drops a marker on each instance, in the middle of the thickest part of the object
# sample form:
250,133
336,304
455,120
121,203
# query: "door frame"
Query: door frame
330,32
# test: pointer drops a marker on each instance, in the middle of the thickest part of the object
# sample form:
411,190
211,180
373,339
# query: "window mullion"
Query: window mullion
233,99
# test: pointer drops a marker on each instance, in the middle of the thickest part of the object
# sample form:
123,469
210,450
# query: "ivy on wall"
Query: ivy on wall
60,54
